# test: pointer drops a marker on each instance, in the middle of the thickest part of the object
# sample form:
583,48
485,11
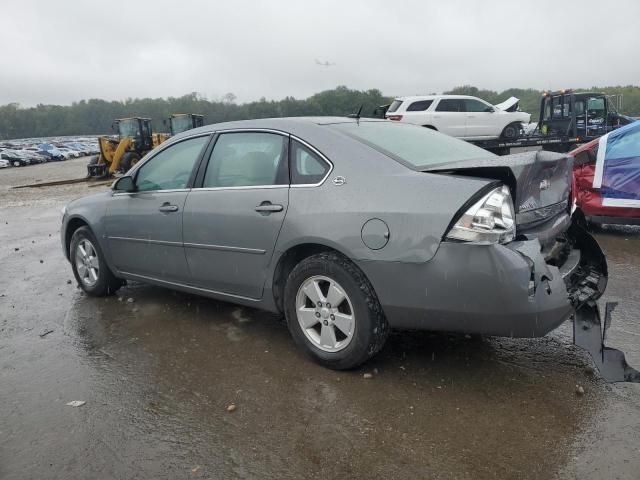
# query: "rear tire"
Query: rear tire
89,266
511,131
355,326
128,160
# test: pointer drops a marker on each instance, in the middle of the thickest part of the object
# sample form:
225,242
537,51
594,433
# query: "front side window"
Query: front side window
450,105
171,168
419,106
472,105
307,168
247,159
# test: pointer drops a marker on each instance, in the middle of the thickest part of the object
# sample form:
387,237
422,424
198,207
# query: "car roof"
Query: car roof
432,97
294,125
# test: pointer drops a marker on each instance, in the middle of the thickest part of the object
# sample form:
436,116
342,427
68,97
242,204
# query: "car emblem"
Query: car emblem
339,180
544,184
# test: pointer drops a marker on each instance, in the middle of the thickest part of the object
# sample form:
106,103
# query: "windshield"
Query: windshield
181,124
128,128
416,147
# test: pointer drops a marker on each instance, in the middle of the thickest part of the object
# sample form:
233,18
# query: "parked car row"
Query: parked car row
31,151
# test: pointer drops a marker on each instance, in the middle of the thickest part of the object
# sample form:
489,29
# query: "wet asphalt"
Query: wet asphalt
158,373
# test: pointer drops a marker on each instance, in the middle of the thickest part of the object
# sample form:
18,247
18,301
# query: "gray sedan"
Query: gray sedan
349,227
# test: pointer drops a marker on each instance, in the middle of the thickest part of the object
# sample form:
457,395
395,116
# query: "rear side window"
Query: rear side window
419,106
247,159
394,106
307,168
450,105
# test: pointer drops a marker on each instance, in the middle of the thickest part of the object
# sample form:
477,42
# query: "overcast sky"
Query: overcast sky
66,50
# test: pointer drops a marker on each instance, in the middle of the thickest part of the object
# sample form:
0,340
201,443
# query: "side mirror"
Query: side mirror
124,184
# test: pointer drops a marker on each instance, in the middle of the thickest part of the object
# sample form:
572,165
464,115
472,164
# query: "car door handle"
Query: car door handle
268,207
166,208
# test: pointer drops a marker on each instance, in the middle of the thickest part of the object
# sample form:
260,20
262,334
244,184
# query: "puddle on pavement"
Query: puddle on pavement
437,402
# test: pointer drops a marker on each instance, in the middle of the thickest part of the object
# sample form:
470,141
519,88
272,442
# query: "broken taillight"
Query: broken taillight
395,118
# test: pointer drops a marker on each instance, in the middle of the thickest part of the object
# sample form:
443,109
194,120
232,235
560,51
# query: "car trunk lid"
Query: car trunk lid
540,182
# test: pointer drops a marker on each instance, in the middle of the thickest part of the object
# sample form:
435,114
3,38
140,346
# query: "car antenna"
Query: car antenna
356,115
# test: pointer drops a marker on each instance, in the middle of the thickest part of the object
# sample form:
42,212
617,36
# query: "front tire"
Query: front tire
89,266
511,131
333,313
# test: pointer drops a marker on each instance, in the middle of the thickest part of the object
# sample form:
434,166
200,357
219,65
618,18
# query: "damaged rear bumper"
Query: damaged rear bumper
518,289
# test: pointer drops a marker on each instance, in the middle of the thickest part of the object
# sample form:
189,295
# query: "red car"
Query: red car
606,177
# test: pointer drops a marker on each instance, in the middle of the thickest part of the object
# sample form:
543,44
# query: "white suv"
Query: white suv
461,116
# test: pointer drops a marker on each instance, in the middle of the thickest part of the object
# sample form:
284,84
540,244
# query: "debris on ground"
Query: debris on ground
45,333
579,390
589,370
68,282
196,469
16,249
41,261
135,310
76,403
130,300
231,408
367,376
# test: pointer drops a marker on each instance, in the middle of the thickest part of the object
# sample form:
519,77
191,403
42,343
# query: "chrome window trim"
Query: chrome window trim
174,190
285,134
247,187
322,156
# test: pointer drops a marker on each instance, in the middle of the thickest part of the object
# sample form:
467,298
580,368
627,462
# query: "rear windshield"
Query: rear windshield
416,147
394,106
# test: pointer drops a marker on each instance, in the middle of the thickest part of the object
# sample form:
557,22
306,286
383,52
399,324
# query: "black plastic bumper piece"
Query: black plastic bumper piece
589,334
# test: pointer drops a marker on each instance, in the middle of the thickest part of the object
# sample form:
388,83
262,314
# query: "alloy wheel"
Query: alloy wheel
87,263
325,313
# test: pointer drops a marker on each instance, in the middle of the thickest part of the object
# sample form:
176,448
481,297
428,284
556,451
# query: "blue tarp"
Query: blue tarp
617,173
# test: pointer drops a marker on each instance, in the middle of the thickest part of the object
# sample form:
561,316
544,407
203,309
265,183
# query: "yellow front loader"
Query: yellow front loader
119,154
